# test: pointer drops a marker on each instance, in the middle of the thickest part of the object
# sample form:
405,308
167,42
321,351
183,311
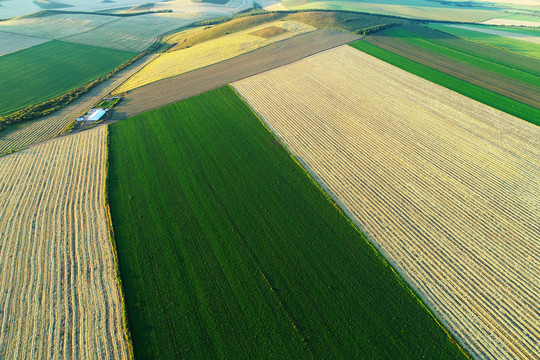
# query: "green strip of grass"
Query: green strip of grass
229,250
44,71
523,111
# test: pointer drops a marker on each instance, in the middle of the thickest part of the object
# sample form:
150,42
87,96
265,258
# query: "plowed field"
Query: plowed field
445,186
59,298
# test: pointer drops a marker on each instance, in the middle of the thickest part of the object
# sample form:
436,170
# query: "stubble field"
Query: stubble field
445,186
59,297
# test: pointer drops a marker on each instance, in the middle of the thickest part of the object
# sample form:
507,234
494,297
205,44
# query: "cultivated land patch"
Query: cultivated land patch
134,33
47,70
513,45
229,250
503,103
183,86
211,52
504,33
52,125
58,290
487,67
54,26
445,186
417,9
10,43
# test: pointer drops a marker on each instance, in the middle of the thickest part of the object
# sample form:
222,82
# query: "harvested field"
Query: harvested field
445,186
211,52
229,250
511,22
134,33
10,43
58,290
507,34
490,98
166,91
50,126
55,26
502,42
448,55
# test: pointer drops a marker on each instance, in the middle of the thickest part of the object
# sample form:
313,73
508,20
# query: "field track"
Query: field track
445,186
167,91
52,125
59,297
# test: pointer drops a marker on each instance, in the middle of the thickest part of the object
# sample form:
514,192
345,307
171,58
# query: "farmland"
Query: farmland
54,26
229,250
508,74
10,43
211,52
39,73
503,103
517,46
134,33
47,127
446,187
58,290
180,87
412,8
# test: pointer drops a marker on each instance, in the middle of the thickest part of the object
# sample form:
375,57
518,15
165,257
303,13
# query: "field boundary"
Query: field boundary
329,194
112,240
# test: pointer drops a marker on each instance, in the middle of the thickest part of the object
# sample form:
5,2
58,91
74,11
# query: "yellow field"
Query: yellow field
446,187
210,52
58,290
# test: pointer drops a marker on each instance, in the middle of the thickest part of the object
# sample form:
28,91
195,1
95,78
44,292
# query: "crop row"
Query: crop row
59,297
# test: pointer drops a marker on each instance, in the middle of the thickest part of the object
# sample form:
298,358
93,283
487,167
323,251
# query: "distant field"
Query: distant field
412,8
510,106
211,52
44,128
228,249
133,33
508,74
10,43
44,71
447,187
54,26
59,294
516,46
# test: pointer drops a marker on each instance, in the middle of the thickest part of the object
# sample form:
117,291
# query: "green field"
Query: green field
229,250
44,71
495,60
523,111
513,45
